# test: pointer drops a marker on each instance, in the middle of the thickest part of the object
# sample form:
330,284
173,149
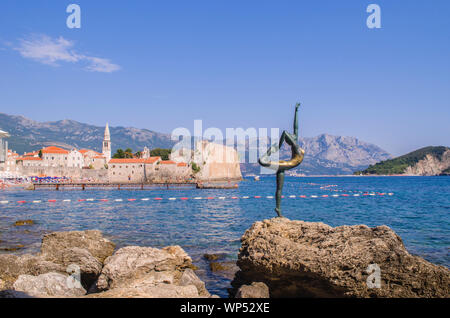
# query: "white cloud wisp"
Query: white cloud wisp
46,50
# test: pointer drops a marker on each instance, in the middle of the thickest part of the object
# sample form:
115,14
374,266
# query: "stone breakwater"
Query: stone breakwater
303,259
85,264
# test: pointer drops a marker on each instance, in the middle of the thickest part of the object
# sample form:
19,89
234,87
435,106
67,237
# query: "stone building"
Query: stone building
56,161
58,157
32,162
75,159
54,156
93,159
132,170
10,163
99,162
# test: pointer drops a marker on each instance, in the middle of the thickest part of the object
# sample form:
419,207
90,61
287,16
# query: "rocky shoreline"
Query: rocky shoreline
278,258
85,264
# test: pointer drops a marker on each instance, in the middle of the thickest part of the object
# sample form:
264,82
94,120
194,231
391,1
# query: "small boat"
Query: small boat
256,178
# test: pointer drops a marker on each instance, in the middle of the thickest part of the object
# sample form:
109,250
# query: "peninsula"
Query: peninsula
428,161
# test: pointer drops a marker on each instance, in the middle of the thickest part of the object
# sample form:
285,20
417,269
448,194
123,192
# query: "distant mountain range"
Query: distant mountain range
28,135
331,155
325,154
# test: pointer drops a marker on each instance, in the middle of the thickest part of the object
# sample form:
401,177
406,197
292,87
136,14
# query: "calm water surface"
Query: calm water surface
419,211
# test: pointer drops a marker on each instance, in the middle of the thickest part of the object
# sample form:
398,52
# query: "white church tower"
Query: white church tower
106,150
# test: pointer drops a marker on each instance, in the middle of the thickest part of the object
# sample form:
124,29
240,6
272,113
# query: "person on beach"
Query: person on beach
281,166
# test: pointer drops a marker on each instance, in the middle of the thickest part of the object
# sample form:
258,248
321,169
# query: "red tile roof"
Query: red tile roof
152,159
168,162
135,160
182,164
55,150
83,151
29,158
31,154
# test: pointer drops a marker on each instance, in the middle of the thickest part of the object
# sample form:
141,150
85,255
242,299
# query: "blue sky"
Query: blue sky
162,64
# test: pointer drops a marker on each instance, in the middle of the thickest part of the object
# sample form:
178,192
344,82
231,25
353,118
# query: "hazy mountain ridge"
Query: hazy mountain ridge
28,135
325,154
331,155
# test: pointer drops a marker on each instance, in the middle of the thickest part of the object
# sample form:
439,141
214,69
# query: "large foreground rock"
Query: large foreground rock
72,264
255,290
302,259
92,241
48,285
150,272
157,291
62,253
84,249
12,266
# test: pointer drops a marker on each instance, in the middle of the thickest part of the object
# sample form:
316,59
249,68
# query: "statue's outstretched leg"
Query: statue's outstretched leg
280,183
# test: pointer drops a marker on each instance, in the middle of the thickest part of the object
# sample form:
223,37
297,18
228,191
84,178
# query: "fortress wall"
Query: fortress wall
169,173
219,162
75,173
219,171
126,173
99,175
72,172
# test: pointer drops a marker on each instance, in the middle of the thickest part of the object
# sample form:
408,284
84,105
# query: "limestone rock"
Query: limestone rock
77,259
430,165
160,291
133,264
189,278
130,272
92,240
48,285
296,258
82,250
255,290
217,162
12,266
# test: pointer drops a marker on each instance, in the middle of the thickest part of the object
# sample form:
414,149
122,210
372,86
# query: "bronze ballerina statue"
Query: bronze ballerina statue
282,165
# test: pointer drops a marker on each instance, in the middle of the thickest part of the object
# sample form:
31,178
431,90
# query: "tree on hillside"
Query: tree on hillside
40,154
160,152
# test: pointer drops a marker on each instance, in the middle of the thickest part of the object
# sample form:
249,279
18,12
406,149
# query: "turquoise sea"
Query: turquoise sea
418,210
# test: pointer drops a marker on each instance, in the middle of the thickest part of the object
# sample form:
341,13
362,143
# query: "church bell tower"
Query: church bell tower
106,149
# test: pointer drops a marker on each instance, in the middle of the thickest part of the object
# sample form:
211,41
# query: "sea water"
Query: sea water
418,209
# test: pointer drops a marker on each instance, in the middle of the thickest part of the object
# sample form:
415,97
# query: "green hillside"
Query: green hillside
399,164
